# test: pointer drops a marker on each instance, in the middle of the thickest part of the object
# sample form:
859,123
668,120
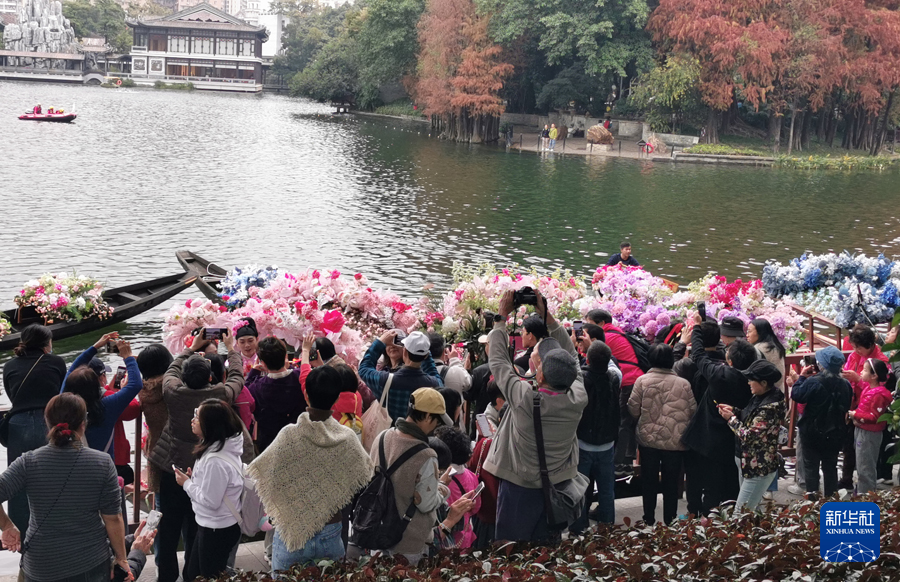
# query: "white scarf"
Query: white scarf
310,472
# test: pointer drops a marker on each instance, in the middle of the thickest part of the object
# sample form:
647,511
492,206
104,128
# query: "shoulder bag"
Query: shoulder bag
4,420
376,419
564,501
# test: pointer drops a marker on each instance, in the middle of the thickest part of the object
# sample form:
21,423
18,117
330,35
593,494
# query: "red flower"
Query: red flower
188,303
400,307
333,321
357,276
335,274
316,274
222,309
314,304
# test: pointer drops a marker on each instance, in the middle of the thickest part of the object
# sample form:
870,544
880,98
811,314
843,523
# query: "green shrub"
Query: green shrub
718,149
128,82
399,107
173,86
778,543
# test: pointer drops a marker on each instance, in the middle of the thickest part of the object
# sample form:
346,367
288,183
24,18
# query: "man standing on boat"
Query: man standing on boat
623,256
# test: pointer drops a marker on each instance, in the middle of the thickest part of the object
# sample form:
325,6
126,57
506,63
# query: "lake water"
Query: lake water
268,179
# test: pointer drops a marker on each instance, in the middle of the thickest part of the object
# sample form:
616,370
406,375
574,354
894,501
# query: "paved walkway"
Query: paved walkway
621,148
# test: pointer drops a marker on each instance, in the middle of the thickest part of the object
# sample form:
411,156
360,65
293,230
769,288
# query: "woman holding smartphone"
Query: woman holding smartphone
215,487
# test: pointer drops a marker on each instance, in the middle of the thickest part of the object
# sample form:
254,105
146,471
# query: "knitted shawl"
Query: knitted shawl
310,472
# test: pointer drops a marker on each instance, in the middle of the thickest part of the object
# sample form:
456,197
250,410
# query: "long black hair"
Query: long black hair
766,335
35,336
86,383
883,372
218,423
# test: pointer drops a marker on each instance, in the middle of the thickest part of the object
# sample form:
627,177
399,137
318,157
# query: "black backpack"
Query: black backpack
641,350
377,525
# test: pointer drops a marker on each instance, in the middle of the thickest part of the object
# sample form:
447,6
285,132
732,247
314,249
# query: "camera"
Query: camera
524,296
213,333
112,347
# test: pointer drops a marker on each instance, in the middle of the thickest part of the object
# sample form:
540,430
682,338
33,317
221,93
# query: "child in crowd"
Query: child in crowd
874,400
462,482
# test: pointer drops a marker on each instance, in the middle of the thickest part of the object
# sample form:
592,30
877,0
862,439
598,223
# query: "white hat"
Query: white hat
417,343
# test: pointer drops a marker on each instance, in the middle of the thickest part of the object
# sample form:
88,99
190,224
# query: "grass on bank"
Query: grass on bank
817,156
399,107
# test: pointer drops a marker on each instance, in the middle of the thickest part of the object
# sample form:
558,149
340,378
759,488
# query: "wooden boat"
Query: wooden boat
209,275
64,118
126,301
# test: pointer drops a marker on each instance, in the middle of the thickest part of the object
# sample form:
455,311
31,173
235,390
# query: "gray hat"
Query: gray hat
831,359
559,367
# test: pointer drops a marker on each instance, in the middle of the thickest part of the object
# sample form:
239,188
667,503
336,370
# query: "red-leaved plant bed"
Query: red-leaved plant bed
781,545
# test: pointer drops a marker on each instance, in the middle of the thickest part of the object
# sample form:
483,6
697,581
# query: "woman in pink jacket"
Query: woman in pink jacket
874,400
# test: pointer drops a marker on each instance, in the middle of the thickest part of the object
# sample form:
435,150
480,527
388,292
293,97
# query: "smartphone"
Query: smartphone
577,327
153,520
484,426
112,347
701,309
119,574
120,373
478,490
453,471
313,355
398,339
213,333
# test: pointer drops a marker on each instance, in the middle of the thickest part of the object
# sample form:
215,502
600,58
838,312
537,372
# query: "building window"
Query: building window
247,47
178,44
158,42
140,39
202,46
226,46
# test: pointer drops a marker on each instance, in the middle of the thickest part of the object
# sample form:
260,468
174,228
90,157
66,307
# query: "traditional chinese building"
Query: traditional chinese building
201,45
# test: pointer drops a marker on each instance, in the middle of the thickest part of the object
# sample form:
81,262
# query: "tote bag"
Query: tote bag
376,419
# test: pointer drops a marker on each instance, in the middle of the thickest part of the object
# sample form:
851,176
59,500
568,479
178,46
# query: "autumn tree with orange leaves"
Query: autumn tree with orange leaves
793,56
460,72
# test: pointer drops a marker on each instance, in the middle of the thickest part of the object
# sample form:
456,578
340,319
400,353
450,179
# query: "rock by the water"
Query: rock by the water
659,146
599,134
40,27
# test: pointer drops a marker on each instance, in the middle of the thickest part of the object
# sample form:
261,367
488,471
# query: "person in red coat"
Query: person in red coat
874,400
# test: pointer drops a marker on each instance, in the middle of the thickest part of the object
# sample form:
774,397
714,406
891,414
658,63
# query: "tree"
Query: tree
389,39
601,42
310,27
332,75
668,92
105,18
460,72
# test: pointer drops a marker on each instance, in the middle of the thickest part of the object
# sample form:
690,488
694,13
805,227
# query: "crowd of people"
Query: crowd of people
418,449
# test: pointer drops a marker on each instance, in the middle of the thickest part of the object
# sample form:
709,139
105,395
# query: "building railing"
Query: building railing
183,78
42,71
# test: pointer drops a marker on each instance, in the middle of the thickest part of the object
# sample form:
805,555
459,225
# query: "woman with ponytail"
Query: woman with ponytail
31,379
874,400
71,532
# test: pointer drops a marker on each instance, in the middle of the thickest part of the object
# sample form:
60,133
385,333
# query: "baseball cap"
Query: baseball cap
762,370
430,400
559,367
417,343
732,327
97,365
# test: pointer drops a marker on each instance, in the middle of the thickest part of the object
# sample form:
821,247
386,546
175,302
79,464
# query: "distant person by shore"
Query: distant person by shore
623,256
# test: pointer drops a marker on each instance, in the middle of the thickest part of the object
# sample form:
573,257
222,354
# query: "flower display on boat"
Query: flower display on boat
846,288
64,297
5,326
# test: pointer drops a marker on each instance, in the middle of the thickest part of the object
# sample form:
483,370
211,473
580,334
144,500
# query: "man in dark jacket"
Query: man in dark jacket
597,433
186,385
418,371
694,462
708,433
827,398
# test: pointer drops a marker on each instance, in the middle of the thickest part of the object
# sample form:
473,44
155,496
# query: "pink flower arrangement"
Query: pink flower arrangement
5,326
72,298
